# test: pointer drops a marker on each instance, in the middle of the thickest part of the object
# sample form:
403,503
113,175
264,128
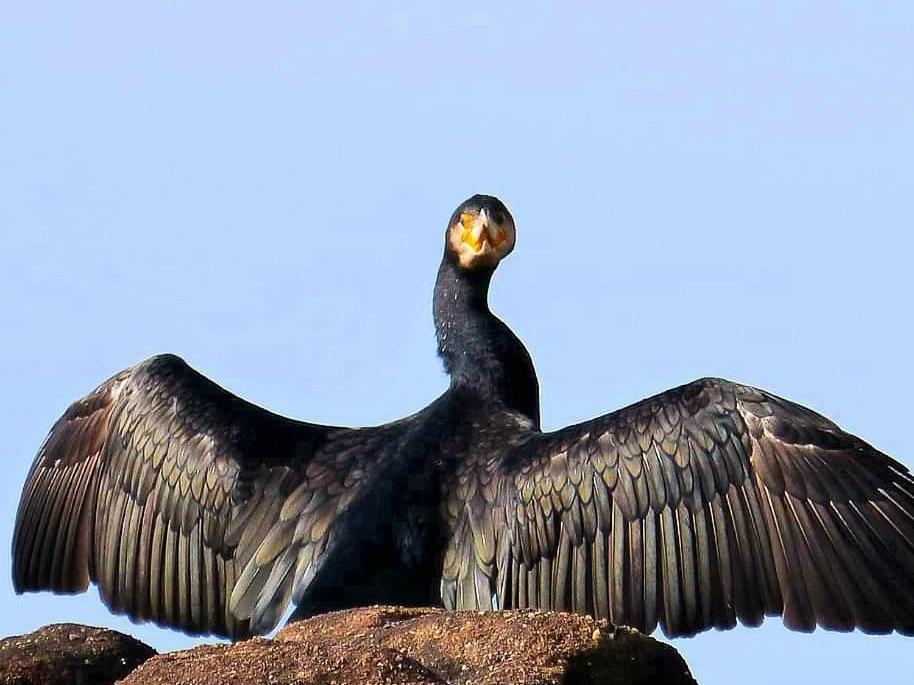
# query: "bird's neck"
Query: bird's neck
480,353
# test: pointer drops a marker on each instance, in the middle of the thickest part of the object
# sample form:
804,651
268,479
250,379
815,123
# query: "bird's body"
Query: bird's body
705,504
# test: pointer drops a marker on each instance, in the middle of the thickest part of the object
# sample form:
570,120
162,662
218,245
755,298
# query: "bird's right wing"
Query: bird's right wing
189,506
707,503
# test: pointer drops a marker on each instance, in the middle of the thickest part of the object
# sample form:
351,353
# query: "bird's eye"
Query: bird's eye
499,217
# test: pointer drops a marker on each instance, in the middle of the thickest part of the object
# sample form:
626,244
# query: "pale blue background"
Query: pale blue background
704,189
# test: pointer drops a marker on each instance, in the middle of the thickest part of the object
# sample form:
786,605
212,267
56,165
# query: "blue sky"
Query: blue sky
698,190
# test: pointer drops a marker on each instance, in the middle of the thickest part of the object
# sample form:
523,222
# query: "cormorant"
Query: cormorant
703,505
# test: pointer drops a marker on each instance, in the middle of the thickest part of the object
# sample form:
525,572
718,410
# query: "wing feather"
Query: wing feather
654,557
598,575
686,551
669,570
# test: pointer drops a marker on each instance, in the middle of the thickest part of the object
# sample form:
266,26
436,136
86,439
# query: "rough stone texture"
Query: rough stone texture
428,646
69,654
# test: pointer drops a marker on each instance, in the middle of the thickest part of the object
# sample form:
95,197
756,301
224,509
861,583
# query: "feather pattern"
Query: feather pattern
707,504
168,491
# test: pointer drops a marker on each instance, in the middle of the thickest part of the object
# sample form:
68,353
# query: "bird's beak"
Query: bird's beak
481,232
477,239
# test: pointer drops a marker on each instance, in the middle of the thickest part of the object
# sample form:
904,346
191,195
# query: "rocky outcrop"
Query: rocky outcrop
361,647
69,654
428,647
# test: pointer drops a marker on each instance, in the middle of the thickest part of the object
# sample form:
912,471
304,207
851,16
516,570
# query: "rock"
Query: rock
428,646
69,654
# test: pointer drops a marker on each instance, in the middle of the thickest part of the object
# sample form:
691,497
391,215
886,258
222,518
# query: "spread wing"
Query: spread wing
187,505
705,504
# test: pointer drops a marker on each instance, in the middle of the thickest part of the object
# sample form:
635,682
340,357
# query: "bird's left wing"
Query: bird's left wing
187,505
702,505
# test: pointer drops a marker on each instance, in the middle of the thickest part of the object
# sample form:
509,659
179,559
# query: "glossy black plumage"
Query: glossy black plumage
710,503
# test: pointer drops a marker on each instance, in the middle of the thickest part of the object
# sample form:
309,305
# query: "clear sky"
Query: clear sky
699,190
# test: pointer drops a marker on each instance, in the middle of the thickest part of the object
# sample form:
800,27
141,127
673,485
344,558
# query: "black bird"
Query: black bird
707,504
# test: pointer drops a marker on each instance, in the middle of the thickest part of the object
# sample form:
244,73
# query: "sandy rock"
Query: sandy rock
69,654
428,647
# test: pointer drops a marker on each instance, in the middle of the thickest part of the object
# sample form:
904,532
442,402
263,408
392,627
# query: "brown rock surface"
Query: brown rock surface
69,654
425,647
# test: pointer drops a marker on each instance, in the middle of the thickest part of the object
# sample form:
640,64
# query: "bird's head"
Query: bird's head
480,233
